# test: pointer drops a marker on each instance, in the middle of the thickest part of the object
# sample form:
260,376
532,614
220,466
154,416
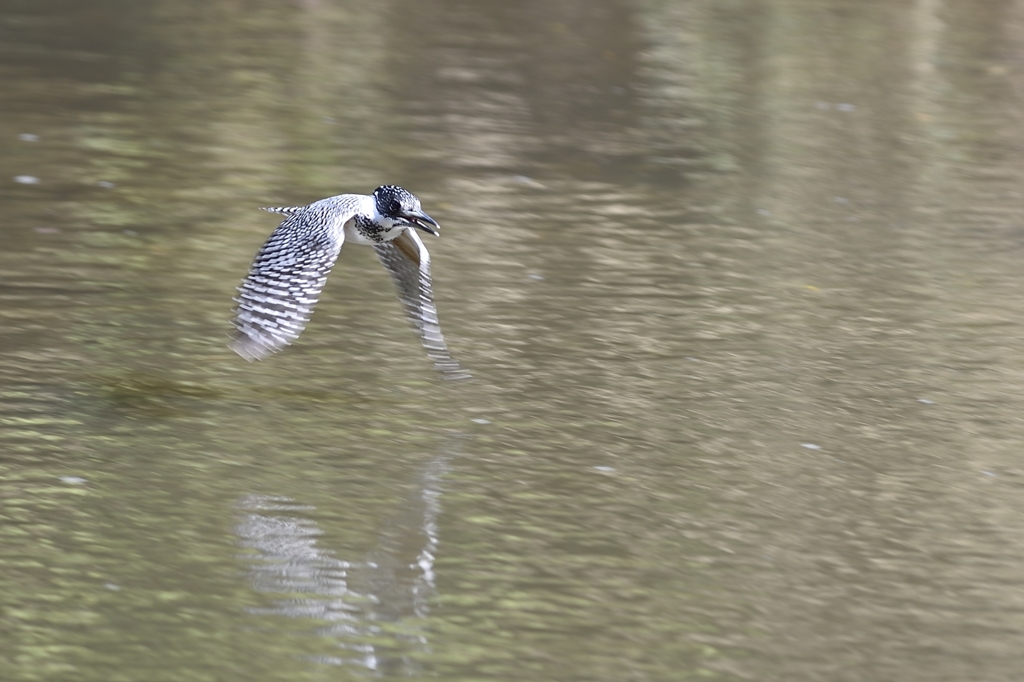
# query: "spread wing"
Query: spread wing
277,297
408,262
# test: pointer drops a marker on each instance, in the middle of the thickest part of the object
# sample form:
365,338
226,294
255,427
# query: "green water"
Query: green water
740,283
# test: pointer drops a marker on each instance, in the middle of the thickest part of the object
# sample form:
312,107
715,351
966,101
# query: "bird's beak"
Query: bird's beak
422,221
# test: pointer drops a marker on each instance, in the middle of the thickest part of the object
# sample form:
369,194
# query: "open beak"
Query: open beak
422,221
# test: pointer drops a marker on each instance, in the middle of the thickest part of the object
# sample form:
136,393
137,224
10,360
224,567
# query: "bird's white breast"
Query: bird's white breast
352,234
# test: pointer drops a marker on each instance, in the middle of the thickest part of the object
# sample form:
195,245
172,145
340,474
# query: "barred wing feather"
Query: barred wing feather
276,299
408,262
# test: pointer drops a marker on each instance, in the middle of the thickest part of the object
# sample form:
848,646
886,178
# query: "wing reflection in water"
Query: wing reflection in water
373,607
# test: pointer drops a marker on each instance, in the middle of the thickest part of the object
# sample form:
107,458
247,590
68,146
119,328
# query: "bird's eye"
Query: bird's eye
395,206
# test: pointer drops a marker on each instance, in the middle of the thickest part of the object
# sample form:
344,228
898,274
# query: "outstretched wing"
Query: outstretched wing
408,262
277,298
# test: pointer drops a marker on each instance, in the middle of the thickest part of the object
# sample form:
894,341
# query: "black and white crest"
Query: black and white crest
392,201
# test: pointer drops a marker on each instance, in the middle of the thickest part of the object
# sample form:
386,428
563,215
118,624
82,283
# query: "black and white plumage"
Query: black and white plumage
276,299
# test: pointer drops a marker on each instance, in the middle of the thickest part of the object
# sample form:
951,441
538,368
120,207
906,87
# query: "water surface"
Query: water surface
739,283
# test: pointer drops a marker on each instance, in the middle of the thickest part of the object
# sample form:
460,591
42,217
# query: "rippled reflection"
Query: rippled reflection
373,607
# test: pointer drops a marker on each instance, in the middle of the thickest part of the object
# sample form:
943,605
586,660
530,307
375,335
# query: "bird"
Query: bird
277,297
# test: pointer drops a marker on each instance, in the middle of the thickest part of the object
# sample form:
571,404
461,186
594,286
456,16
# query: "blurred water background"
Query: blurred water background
740,282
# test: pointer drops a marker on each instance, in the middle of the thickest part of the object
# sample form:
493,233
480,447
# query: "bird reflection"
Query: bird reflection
374,607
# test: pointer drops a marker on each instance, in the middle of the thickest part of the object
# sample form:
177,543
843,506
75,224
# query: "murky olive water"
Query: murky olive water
740,283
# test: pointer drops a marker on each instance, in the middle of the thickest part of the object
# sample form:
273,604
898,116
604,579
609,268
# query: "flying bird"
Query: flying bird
277,297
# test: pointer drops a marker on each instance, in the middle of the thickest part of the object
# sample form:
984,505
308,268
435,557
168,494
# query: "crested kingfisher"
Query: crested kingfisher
277,297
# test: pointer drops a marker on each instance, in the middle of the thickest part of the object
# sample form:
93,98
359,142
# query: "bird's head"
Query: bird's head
402,209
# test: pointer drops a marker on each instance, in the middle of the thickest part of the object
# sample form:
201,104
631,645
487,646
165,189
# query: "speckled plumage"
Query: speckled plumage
276,299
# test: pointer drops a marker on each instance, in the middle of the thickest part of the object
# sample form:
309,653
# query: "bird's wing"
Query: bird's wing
406,258
277,297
